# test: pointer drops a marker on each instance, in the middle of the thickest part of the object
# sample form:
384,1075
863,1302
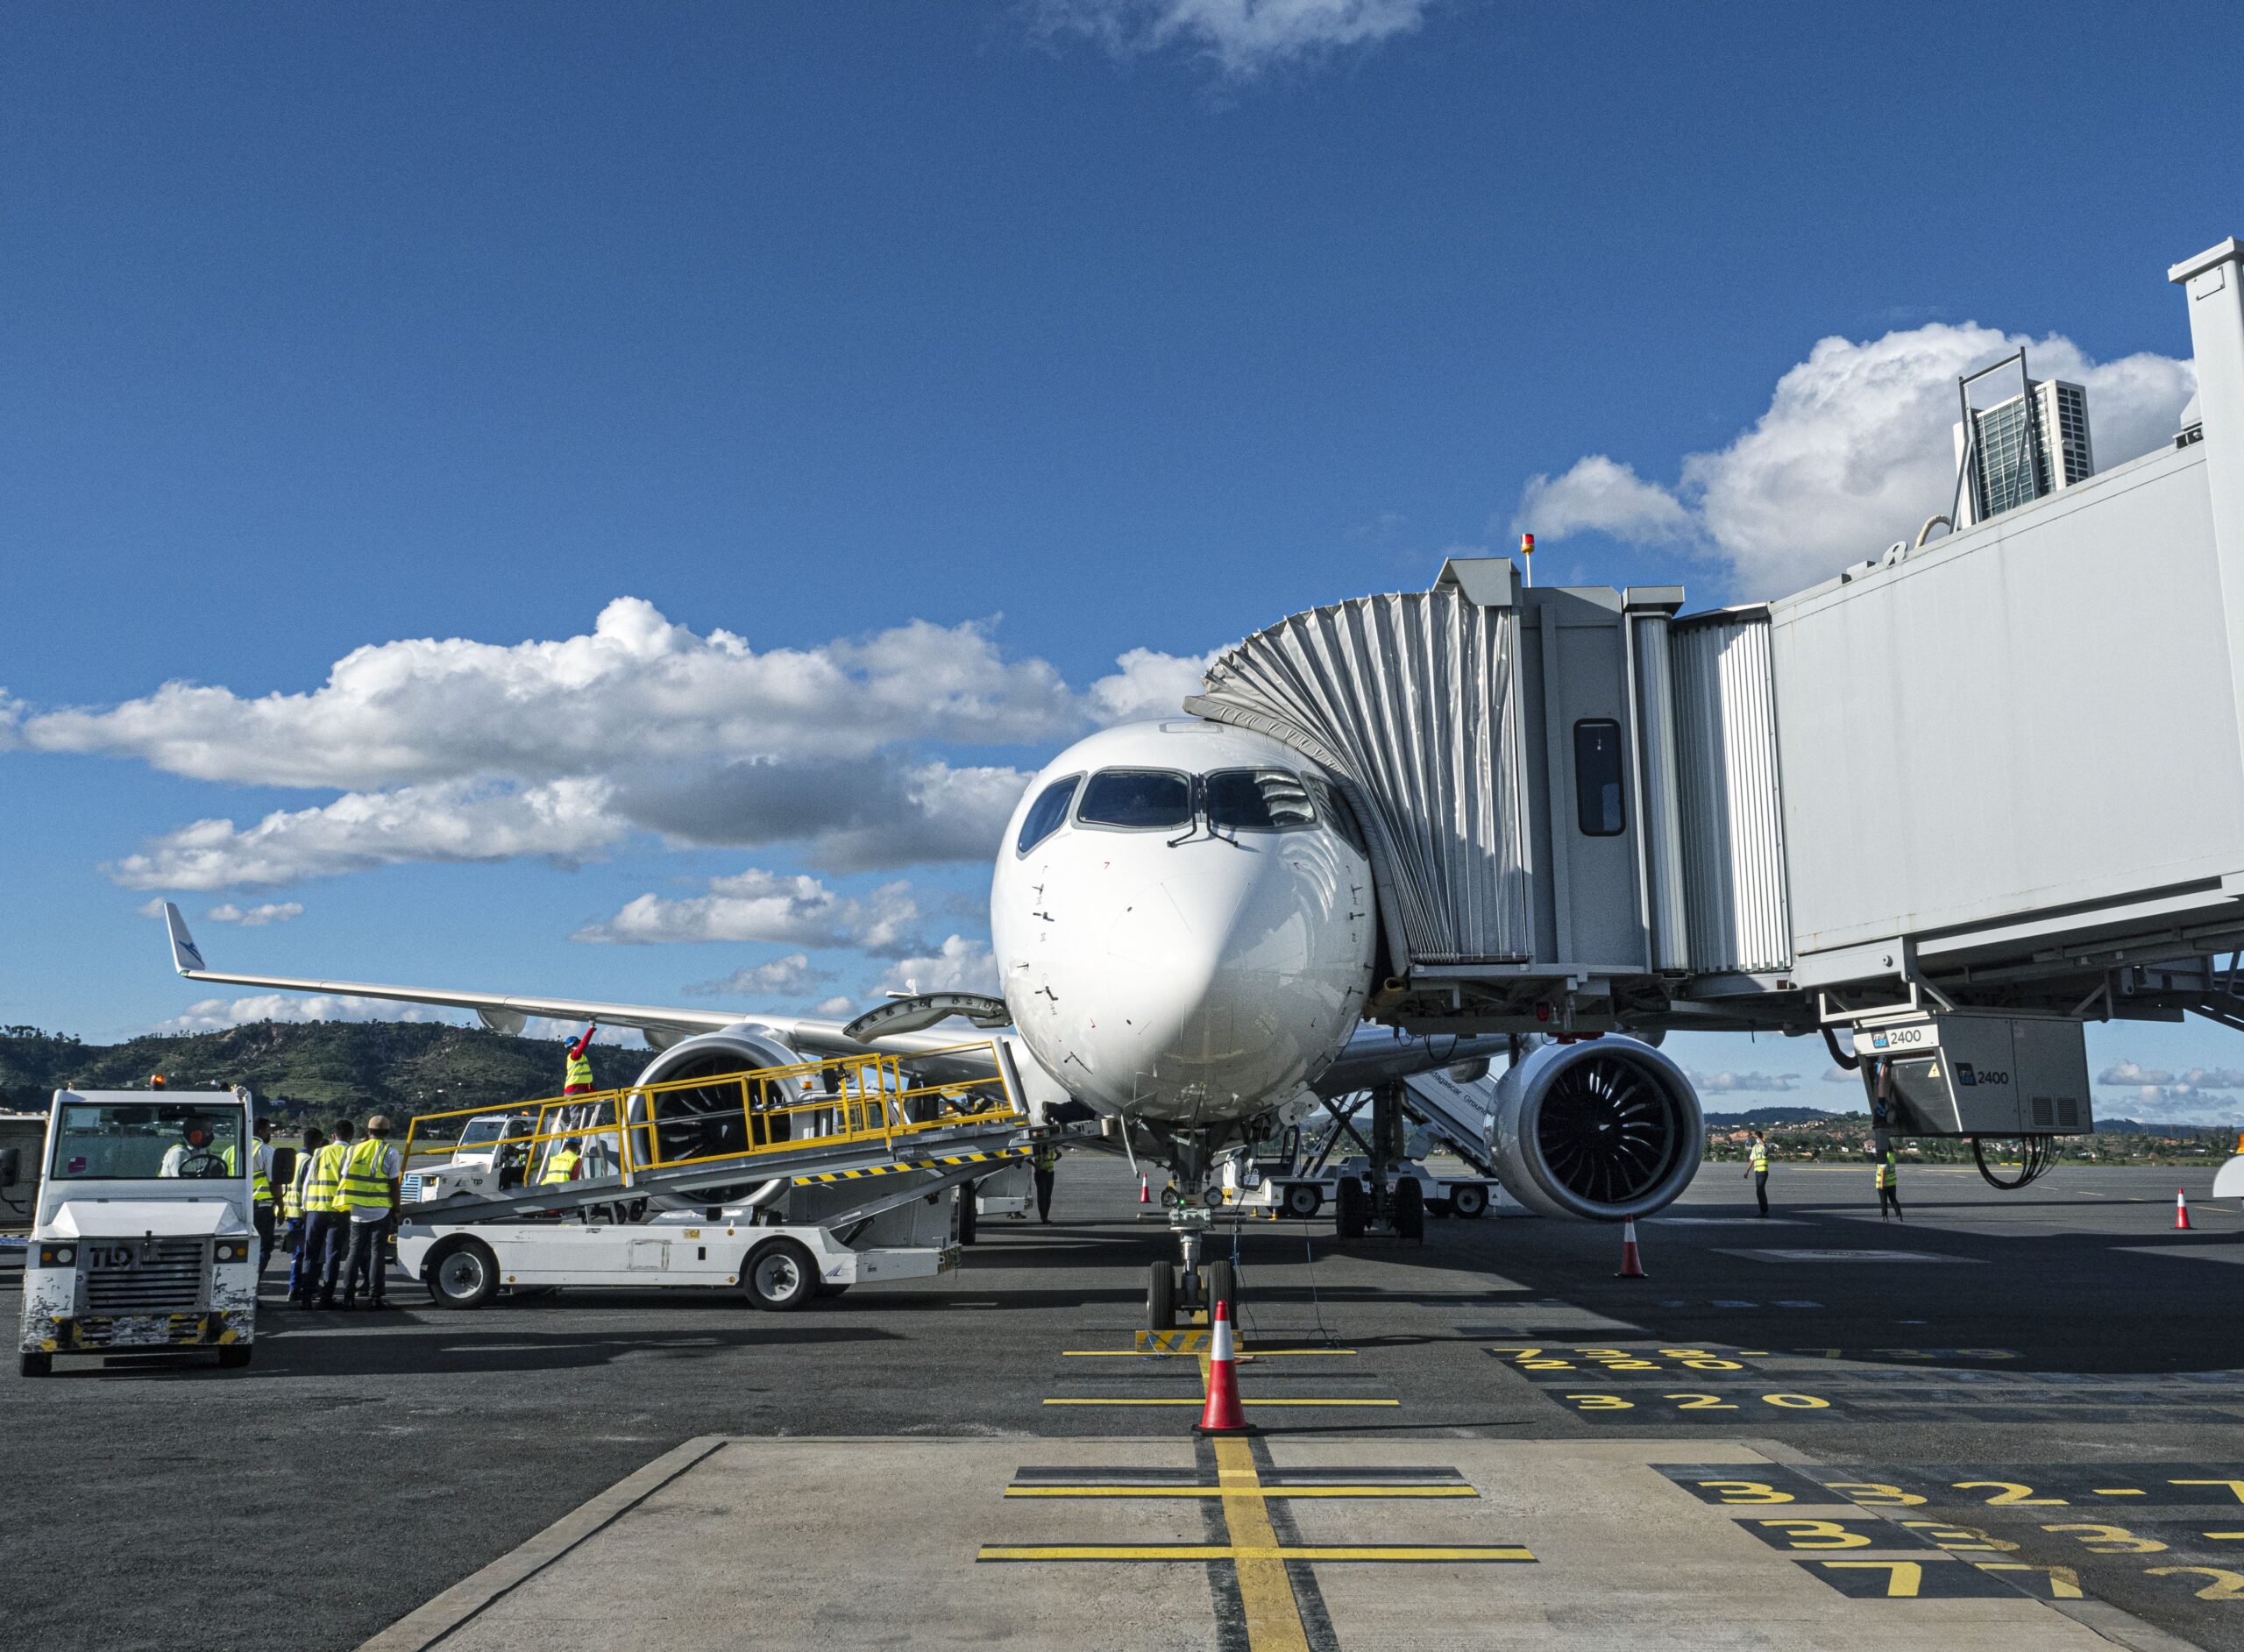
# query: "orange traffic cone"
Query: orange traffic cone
1222,1414
1632,1267
2181,1211
1145,1191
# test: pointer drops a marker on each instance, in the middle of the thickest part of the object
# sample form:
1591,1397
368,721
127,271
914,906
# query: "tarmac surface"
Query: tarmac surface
2014,1419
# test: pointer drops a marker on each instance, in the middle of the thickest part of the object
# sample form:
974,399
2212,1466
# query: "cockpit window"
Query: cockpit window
1140,799
1047,811
1258,800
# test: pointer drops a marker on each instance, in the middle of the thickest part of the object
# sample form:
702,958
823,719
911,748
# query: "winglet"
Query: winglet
187,957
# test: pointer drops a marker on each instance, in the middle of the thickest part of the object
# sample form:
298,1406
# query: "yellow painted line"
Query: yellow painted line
1263,1634
1076,1401
2117,1491
2226,1537
1265,1594
1244,1353
1443,1489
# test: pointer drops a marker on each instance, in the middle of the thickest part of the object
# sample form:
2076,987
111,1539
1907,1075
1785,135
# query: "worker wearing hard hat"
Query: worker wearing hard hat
561,1164
1756,1166
370,1195
577,1072
329,1234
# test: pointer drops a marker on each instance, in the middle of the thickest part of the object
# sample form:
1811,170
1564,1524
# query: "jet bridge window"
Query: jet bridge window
1258,800
1138,799
1047,811
1597,777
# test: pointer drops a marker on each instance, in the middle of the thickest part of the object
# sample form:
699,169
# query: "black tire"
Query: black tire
1160,1298
1350,1209
1213,1198
967,1214
461,1273
780,1277
1411,1210
1222,1286
234,1356
1304,1201
1468,1201
36,1365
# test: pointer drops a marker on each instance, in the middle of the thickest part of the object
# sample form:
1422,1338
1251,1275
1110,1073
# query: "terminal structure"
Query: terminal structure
1941,810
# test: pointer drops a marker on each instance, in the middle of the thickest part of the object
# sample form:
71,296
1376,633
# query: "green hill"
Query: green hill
315,1071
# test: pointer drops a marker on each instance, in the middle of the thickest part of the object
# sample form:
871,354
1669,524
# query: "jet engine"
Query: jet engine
1600,1129
698,1123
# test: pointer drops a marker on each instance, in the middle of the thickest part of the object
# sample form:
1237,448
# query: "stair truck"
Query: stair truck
143,1238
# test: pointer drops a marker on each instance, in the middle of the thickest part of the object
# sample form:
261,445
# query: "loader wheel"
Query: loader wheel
462,1272
36,1365
1469,1201
1349,1209
1160,1298
780,1277
1304,1201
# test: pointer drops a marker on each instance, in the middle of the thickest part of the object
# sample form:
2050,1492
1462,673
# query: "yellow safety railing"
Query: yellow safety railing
827,1104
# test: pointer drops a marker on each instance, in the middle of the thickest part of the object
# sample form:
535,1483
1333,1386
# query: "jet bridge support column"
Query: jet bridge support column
2214,282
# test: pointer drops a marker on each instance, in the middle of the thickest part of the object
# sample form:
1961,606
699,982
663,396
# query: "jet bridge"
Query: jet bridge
1978,789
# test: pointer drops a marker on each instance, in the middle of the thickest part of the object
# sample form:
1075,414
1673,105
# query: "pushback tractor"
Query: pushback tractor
143,1238
788,1182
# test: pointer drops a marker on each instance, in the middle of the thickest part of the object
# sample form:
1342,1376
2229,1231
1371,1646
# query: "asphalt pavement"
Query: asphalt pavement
2014,1364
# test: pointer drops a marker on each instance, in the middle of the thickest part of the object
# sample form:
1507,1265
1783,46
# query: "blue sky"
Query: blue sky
792,423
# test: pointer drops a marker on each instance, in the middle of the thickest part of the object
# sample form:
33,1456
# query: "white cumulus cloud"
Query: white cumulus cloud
756,905
790,977
253,917
1148,685
1853,452
1242,38
959,965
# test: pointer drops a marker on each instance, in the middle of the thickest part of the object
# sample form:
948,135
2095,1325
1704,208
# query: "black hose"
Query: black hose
1831,1043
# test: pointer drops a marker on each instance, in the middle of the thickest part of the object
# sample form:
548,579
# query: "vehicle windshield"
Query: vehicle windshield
480,1132
1258,800
1141,799
141,1141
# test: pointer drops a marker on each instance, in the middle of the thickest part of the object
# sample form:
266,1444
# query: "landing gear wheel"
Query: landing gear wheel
780,1277
1223,1287
968,1210
1468,1203
1160,1298
1350,1209
232,1358
1410,1210
36,1365
462,1272
1304,1201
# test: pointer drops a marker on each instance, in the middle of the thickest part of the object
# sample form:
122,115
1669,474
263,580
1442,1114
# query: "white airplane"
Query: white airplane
1184,924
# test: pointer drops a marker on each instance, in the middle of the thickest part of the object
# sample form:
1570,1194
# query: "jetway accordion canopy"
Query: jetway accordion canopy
1410,700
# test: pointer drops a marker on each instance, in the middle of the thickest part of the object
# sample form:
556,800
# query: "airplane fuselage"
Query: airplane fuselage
1183,918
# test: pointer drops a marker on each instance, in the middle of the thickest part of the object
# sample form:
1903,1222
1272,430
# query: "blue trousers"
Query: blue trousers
327,1238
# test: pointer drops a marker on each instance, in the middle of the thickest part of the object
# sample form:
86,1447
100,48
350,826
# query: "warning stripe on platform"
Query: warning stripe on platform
950,1161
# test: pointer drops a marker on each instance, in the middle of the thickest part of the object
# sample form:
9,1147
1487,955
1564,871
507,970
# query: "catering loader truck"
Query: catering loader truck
143,1236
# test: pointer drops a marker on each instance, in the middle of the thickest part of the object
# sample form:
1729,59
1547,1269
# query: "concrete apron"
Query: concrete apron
786,1543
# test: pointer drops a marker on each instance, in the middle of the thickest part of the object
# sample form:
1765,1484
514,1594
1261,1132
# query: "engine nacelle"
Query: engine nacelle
700,1123
1600,1129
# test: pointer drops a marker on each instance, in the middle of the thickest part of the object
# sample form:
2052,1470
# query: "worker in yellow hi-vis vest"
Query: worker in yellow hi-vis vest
576,1068
1044,1162
1889,1185
297,1205
328,1234
1756,1166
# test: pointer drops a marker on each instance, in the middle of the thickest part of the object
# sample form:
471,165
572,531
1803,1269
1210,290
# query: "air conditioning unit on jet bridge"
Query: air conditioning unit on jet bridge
1993,1075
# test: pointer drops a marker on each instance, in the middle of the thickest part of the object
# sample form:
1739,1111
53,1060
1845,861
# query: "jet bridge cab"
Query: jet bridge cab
1182,917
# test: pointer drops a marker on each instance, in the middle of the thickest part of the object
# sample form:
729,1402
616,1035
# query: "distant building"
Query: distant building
2025,448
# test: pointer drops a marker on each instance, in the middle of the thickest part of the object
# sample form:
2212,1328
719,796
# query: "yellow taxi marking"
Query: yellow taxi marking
1089,1401
1442,1490
2118,1490
1264,1633
2226,1537
1265,1594
1258,1353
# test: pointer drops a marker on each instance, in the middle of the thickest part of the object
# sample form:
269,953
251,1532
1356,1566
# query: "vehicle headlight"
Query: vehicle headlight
231,1250
57,1255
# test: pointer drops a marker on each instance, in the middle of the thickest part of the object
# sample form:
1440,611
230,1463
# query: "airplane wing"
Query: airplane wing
509,1012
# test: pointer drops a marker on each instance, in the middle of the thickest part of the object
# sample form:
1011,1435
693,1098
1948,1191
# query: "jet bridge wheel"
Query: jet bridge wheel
462,1272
